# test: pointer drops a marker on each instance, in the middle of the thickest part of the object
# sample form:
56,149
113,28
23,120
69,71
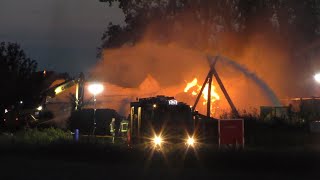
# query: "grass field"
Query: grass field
61,158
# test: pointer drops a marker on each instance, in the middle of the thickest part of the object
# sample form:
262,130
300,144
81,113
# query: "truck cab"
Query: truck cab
158,120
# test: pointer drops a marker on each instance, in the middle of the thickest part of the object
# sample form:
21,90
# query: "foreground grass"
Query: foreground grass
52,154
36,137
96,161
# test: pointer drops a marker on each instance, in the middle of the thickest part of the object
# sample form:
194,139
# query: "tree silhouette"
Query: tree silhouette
16,75
295,21
203,14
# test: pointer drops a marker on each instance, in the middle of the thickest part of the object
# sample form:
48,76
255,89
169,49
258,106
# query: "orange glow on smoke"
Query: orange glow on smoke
195,88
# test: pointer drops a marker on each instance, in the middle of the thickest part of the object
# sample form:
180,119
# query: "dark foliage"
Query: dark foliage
295,21
18,76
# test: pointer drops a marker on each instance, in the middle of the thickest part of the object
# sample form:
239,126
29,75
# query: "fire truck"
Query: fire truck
161,120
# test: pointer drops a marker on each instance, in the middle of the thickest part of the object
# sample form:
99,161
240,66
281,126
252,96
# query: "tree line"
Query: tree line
294,21
17,76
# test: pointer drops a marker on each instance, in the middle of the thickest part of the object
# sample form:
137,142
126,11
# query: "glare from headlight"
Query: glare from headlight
39,108
157,140
190,141
317,78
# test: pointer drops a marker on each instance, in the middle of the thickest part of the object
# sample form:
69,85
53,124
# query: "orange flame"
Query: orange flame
195,87
191,85
214,94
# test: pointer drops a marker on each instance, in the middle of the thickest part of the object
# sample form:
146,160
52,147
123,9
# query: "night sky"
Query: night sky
61,35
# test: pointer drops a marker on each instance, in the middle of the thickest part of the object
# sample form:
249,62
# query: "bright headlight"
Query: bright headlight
190,141
157,140
39,108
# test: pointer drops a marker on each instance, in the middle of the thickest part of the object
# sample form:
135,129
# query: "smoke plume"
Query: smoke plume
265,72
